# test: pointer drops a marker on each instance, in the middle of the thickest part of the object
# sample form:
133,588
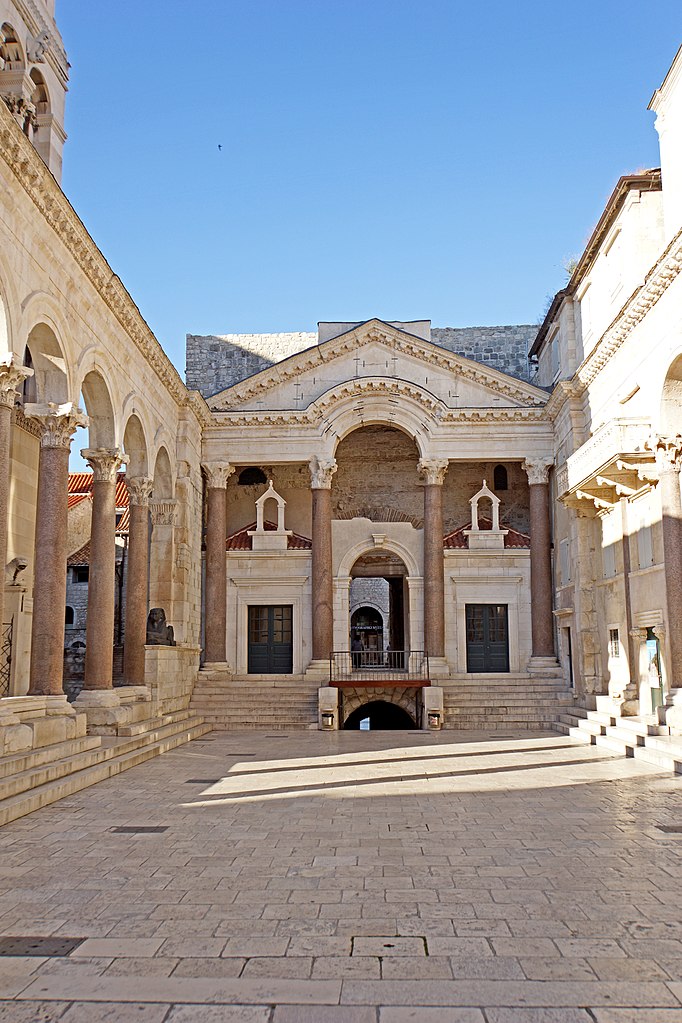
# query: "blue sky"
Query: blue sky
399,158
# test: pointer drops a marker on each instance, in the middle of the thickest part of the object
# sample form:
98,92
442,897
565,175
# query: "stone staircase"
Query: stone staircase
273,704
640,737
505,702
43,775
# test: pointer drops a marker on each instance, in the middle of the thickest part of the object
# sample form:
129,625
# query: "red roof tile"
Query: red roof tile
81,557
514,539
74,499
80,488
241,541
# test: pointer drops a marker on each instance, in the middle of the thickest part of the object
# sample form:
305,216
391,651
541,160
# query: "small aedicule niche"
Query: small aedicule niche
268,539
485,539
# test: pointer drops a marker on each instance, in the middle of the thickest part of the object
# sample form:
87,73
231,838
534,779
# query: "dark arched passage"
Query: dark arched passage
382,716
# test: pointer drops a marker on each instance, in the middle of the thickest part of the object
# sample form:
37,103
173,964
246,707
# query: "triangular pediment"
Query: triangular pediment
385,355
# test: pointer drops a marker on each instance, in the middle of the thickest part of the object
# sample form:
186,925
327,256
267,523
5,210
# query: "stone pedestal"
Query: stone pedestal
215,617
139,492
542,620
59,423
433,473
99,641
321,472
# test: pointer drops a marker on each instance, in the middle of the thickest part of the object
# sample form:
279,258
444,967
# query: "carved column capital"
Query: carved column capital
217,474
321,472
104,462
163,512
58,422
139,490
668,452
12,376
638,634
537,470
432,471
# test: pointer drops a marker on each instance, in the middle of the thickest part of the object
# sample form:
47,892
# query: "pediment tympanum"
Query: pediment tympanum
372,357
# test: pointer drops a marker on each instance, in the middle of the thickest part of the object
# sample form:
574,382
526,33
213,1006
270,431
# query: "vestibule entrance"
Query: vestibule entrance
378,610
379,715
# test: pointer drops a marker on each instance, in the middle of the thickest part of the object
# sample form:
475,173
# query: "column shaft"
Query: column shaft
215,619
542,623
322,586
49,574
5,428
671,507
434,571
136,595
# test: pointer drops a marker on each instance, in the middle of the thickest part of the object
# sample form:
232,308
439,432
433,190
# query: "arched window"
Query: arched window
251,477
70,618
29,390
500,481
11,54
39,96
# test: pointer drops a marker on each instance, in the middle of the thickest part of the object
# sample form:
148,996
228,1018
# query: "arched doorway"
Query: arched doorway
383,574
366,635
379,715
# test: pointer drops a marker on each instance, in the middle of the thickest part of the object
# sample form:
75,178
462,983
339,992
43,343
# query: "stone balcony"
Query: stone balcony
615,462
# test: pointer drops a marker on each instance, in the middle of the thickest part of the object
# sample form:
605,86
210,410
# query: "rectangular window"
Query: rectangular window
81,573
614,643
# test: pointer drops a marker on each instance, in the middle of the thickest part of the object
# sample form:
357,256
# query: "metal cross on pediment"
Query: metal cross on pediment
357,360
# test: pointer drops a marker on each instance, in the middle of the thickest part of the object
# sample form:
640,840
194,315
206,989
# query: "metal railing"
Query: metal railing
5,658
378,667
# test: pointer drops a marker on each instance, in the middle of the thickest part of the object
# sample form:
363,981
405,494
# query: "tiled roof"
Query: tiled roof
514,539
74,499
81,557
241,541
80,488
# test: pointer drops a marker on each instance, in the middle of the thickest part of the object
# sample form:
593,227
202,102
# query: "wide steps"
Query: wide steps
10,766
626,736
50,781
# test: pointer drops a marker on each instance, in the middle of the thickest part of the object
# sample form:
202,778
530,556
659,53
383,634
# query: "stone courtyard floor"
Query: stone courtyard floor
348,878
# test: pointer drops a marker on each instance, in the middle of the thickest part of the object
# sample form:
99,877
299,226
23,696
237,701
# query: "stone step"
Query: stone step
627,735
615,744
593,727
575,733
18,762
667,758
114,756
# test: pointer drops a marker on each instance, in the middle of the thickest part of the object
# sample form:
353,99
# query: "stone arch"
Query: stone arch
135,446
11,50
10,303
670,421
46,356
40,97
42,311
355,701
355,552
100,410
163,476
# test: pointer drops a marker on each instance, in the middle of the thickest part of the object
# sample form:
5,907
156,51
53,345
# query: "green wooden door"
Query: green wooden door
271,648
487,638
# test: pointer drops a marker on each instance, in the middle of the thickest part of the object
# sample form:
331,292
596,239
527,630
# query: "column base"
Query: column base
221,666
109,710
317,671
546,666
439,667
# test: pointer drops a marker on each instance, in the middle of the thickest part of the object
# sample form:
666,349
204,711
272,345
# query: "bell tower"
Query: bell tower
34,73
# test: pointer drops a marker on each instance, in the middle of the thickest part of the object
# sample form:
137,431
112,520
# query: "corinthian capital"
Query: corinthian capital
217,474
537,470
58,422
104,462
12,376
668,452
432,471
321,472
139,490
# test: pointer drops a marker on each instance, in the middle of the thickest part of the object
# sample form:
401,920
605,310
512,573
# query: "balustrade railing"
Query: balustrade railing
378,667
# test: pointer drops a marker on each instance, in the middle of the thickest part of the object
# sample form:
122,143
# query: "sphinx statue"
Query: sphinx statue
159,633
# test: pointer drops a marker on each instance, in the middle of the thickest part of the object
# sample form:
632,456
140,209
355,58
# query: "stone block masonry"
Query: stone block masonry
502,348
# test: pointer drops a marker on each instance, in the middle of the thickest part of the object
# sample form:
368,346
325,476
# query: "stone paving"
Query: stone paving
353,877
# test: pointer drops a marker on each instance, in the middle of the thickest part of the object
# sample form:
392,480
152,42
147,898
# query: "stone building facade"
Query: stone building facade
524,534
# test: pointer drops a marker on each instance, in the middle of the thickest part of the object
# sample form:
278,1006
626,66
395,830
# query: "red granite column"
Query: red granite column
215,604
542,621
668,454
321,472
139,491
11,376
59,423
99,635
433,473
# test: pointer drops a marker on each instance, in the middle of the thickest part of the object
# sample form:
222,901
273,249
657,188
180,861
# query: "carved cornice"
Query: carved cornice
432,471
139,490
104,462
45,193
58,422
321,472
163,512
27,425
424,351
217,474
657,282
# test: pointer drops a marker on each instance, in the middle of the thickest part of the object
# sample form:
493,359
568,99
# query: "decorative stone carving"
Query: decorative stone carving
668,452
104,462
321,472
139,490
263,539
432,471
485,539
12,375
217,473
36,47
163,512
159,633
537,470
59,422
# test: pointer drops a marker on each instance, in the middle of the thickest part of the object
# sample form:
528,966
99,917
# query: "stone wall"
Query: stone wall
170,672
215,362
501,348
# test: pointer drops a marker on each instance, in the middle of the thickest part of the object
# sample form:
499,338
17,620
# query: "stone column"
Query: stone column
215,604
59,423
542,622
99,634
668,455
137,582
433,471
321,472
12,375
